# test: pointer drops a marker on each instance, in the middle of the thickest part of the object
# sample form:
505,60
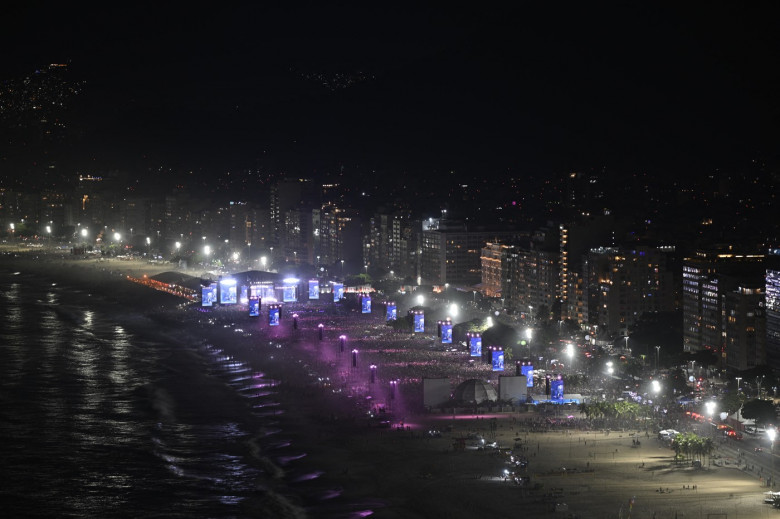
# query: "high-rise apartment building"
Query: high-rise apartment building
744,325
707,277
450,252
623,284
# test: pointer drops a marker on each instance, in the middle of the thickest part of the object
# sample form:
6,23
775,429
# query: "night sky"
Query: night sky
413,89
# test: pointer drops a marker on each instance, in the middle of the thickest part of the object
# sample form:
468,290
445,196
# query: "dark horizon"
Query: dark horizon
668,90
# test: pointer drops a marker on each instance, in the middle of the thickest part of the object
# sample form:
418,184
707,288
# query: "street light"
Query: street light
263,261
342,268
738,379
710,407
771,434
657,355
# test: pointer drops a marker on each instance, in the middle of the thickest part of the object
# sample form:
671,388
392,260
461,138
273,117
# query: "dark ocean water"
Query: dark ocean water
104,413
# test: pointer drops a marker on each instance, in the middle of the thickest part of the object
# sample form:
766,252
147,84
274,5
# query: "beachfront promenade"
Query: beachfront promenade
408,473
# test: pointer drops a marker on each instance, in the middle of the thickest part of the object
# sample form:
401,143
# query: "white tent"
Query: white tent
475,391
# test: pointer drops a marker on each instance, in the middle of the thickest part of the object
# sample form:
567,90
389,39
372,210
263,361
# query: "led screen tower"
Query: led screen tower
556,389
419,322
338,292
227,291
274,315
475,344
446,332
392,312
254,307
365,304
497,358
527,369
208,295
314,289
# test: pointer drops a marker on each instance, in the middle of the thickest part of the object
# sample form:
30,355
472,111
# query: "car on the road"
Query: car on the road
731,433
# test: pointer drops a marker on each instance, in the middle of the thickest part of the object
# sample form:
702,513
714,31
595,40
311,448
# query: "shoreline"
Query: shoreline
405,473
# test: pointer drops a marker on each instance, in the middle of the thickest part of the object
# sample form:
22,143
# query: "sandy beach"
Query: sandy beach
402,471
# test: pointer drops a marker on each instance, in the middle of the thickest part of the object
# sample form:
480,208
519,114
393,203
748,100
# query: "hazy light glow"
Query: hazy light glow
454,310
117,236
420,299
290,280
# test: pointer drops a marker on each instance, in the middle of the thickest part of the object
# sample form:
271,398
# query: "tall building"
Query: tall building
288,194
491,260
623,284
341,240
450,252
707,277
744,328
772,310
529,279
576,238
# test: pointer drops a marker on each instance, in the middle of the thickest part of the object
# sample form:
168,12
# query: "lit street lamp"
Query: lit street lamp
710,407
657,355
771,433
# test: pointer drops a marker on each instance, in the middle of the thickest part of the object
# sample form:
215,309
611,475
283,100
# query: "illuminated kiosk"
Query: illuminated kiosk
512,389
436,391
446,332
419,320
274,315
475,344
474,391
525,368
392,311
228,294
365,303
314,289
338,292
208,295
496,358
254,308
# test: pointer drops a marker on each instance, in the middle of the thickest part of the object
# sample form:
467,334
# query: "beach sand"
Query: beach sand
404,473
